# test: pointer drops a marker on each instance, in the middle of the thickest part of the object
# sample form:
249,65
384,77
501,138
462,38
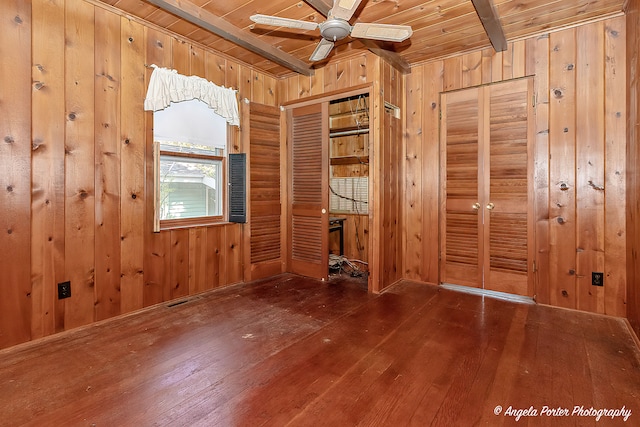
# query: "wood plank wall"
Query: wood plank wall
76,169
580,79
342,74
15,173
633,160
73,127
391,170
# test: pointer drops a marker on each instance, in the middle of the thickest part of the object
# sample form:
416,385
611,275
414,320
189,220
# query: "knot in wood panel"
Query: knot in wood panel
595,186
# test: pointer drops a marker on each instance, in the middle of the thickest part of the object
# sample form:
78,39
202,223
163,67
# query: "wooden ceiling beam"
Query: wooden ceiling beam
395,60
210,22
491,22
320,5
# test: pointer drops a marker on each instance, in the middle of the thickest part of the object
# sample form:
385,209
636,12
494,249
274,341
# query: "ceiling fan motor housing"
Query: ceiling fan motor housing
335,29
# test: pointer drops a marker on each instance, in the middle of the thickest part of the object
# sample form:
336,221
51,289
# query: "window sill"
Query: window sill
177,224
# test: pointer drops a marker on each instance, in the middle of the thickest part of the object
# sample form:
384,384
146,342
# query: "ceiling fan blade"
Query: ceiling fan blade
322,50
344,9
275,21
385,32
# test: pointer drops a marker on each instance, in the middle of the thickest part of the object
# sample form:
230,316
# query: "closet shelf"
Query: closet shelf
349,160
347,131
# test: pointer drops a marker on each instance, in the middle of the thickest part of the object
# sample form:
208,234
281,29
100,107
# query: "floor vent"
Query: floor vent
488,293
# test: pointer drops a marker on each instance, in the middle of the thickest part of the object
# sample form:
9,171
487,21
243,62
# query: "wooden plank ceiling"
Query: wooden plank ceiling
440,27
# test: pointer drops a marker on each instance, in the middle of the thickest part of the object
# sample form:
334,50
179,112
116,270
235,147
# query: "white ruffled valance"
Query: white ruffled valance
167,86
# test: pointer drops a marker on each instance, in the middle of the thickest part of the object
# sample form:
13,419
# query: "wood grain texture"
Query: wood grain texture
80,162
263,256
15,175
308,190
132,168
538,66
414,355
64,173
551,59
77,136
562,169
47,161
412,237
632,180
391,169
432,84
615,169
107,165
590,159
197,260
461,176
440,29
509,224
157,250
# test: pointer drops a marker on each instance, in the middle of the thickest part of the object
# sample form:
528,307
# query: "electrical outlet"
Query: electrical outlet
597,279
64,290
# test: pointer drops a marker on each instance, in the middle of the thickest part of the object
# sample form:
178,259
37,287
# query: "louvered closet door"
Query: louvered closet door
262,129
486,217
308,191
508,203
461,261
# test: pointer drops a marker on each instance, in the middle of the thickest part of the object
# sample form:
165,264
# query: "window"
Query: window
190,142
349,195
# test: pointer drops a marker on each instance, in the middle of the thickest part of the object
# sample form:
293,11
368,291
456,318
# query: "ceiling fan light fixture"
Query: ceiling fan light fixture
335,29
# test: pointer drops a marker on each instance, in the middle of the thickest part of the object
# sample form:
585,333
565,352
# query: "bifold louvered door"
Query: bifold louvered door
308,252
261,127
487,166
461,239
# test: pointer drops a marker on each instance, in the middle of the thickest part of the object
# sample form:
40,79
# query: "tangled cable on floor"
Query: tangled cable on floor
339,263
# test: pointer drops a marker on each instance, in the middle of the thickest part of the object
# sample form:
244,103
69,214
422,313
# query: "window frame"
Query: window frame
200,221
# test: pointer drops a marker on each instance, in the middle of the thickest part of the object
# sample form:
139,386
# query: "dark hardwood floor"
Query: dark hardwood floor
294,351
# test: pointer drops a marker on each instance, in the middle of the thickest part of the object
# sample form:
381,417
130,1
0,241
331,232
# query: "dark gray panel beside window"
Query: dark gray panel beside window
237,188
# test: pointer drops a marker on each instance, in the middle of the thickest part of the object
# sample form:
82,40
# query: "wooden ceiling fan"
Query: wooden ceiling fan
337,27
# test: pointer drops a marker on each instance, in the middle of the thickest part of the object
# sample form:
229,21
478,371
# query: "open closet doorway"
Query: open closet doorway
349,186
